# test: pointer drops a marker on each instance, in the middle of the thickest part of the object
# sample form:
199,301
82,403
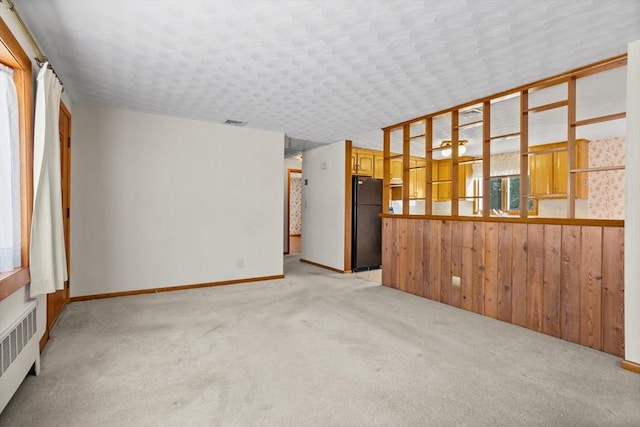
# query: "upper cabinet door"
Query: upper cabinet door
365,164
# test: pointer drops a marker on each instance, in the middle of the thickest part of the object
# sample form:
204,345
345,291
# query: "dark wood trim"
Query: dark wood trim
557,221
600,66
348,199
67,113
630,366
295,235
324,266
13,280
175,288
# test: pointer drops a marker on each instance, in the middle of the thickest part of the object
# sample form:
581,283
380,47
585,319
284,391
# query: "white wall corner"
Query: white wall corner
632,225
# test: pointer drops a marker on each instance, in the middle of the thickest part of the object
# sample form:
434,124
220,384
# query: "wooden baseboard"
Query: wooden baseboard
321,266
630,366
44,340
174,288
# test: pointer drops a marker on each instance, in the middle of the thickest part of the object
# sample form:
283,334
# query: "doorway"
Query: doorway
56,301
294,210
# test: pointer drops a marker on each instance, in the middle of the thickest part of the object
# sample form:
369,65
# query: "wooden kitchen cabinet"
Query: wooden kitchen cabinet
444,177
549,172
417,179
362,162
396,169
378,166
441,172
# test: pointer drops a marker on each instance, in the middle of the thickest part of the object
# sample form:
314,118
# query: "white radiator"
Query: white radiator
19,351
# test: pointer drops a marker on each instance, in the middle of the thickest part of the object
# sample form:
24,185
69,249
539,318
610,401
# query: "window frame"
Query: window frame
504,183
14,56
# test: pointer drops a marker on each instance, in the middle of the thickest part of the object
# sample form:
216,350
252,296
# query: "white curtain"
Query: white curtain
10,253
48,264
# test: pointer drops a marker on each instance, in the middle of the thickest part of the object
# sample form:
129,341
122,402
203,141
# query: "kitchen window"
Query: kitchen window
505,197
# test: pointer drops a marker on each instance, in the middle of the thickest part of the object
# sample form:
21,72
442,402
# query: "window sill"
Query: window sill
11,281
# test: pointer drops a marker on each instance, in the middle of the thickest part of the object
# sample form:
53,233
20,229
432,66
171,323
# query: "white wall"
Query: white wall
159,201
632,203
11,306
323,206
288,164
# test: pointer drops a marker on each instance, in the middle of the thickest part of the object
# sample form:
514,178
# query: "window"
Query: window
15,61
505,197
10,250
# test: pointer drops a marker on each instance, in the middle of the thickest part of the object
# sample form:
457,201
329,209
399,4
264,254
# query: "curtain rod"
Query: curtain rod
41,59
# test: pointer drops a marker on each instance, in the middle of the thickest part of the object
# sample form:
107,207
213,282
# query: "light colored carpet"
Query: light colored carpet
314,349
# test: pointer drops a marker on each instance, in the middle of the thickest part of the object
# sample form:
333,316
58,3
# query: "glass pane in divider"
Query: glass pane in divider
416,129
470,206
396,172
549,161
417,207
602,146
605,198
470,135
548,95
505,115
470,187
548,126
441,134
470,139
441,165
417,168
471,116
470,162
505,157
601,94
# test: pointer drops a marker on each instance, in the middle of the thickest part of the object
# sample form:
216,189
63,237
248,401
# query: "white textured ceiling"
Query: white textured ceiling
319,70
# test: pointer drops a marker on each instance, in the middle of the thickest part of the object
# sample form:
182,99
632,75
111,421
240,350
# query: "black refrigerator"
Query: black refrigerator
366,226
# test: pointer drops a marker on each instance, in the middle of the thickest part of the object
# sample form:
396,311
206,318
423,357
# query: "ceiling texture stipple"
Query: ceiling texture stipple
320,71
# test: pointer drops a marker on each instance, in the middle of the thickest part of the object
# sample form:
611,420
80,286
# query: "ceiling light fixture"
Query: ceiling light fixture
446,147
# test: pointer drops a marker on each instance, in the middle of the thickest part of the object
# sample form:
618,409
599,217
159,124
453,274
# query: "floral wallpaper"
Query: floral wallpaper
501,164
295,206
606,189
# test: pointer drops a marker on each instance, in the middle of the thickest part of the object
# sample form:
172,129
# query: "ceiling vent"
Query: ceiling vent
471,112
234,122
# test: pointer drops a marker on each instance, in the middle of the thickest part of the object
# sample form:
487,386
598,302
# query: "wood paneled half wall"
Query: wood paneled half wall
563,280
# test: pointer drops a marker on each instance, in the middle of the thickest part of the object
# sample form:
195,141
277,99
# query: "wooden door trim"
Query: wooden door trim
65,156
67,292
289,172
